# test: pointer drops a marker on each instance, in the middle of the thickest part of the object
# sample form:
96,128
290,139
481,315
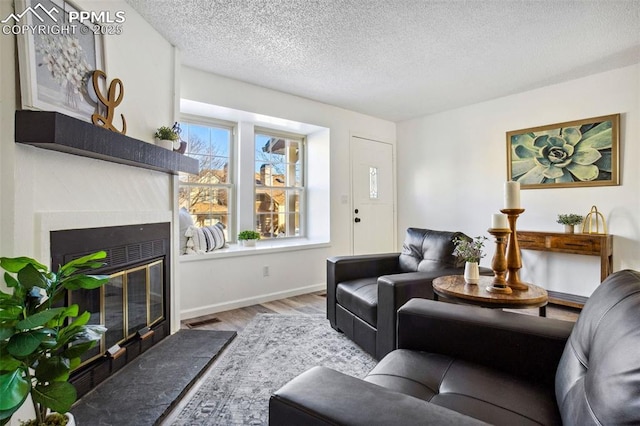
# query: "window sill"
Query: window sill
261,247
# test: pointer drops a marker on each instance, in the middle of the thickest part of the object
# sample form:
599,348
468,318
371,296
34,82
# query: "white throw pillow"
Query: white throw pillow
206,239
185,221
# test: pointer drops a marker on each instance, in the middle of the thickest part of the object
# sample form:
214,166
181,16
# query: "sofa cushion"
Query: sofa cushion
598,379
321,396
426,250
476,391
360,297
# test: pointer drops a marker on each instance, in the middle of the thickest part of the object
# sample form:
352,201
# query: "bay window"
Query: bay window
253,176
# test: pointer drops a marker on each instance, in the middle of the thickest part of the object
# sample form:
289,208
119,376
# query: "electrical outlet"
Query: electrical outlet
265,271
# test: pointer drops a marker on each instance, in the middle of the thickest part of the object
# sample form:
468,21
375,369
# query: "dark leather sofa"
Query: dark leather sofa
365,292
465,365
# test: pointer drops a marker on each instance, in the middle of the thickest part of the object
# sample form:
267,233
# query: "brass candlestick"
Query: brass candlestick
499,262
514,261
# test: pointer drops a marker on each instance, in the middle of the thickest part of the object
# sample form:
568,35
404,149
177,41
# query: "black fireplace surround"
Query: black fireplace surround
127,247
137,249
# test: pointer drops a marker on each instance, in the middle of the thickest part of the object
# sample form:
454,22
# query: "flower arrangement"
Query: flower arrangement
65,59
570,219
166,133
249,235
469,250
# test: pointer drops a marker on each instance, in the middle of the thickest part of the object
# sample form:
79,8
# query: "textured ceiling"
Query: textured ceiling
399,59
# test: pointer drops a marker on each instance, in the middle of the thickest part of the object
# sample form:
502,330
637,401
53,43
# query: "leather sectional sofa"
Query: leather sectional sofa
364,292
460,364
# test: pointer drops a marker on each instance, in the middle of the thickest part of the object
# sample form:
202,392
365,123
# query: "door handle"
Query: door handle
357,220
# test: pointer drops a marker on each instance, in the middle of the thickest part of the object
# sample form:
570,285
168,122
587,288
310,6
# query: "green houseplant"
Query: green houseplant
248,237
40,341
167,137
166,133
569,221
471,250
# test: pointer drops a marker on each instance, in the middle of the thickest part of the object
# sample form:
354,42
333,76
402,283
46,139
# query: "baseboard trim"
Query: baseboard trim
242,303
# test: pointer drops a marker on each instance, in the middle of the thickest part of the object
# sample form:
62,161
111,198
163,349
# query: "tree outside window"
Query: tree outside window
207,195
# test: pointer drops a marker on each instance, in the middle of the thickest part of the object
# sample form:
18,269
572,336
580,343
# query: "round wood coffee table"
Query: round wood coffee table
454,287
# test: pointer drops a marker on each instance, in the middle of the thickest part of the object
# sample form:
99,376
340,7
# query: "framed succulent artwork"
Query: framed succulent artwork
56,57
563,155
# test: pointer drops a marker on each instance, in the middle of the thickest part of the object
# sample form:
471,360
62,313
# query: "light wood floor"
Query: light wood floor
315,303
237,319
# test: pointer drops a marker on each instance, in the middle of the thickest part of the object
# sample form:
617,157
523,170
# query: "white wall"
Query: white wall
213,284
8,94
452,167
44,181
38,185
42,190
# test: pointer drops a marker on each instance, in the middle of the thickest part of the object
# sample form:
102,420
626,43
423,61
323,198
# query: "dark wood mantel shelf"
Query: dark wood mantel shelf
59,132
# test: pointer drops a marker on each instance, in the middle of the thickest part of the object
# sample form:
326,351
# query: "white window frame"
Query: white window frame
230,186
265,131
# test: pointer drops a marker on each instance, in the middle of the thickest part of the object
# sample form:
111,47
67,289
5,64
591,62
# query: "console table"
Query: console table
585,244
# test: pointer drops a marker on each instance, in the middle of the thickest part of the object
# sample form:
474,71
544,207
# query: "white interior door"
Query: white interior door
373,208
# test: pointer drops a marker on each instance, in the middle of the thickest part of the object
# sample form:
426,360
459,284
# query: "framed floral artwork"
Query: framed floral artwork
57,58
575,153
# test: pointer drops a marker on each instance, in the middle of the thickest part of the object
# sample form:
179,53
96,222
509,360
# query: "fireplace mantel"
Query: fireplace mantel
59,132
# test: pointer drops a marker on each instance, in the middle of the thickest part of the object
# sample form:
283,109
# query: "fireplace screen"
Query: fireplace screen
132,300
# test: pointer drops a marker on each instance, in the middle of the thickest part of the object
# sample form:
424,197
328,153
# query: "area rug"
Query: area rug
269,352
150,385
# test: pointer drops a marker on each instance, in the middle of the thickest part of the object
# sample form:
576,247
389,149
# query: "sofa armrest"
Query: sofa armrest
397,289
393,292
523,345
346,268
322,396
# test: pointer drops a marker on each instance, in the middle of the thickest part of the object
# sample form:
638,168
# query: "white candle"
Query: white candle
499,221
512,195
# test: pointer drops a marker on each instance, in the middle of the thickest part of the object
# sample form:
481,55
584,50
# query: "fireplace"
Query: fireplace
133,305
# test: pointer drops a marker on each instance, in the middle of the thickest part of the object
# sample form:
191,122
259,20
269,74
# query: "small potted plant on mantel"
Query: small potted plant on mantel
471,252
166,137
569,221
40,341
248,238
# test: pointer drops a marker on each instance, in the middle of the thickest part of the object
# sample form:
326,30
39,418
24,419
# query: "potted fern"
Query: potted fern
40,341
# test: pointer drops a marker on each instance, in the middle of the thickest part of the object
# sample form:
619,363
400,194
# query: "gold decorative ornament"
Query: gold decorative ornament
594,218
114,96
